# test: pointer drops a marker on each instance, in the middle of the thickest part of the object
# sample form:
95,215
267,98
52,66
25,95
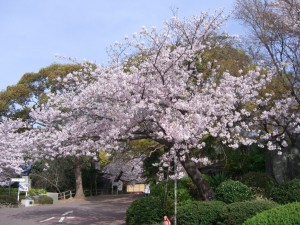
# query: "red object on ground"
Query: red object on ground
166,221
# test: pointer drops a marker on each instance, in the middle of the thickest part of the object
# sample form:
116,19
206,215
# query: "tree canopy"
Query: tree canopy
166,97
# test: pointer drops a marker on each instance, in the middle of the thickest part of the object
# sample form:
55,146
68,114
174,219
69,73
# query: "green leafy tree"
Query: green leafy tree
30,92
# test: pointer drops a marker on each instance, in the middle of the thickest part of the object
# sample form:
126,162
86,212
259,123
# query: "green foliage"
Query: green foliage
104,158
16,100
244,160
224,59
8,190
147,210
200,213
150,171
33,191
8,200
43,200
235,162
286,192
215,180
185,190
261,183
233,191
44,173
282,215
238,212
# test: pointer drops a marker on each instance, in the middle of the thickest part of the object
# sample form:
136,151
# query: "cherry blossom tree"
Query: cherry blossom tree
126,170
153,90
10,148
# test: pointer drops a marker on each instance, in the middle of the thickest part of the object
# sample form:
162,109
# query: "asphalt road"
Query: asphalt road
100,210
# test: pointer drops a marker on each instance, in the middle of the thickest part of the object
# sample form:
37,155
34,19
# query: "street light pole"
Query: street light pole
175,190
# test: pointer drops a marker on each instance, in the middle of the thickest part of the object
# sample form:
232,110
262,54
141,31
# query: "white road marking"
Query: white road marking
66,213
61,219
47,219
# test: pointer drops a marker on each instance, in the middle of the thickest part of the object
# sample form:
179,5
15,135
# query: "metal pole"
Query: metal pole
9,185
175,190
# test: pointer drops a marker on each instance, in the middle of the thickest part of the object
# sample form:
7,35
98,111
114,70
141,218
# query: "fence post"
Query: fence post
64,195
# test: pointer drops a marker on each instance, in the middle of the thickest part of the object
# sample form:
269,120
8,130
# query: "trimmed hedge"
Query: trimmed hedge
33,192
286,192
43,200
7,190
282,215
200,213
147,210
238,212
233,191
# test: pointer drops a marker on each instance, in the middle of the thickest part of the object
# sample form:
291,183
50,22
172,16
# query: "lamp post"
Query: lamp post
175,190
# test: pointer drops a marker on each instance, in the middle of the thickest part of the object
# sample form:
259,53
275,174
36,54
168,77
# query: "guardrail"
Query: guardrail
66,195
87,192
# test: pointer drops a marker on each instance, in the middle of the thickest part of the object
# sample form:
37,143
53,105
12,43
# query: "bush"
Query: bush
233,191
43,200
147,210
8,190
260,183
286,192
282,215
185,190
33,192
238,212
8,200
200,213
216,179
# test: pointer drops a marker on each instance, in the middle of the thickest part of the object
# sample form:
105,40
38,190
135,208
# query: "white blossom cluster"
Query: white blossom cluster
10,148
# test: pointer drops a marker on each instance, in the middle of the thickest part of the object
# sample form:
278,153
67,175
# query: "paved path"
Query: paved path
102,210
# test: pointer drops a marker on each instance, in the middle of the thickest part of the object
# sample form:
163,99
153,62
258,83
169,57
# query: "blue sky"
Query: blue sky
33,31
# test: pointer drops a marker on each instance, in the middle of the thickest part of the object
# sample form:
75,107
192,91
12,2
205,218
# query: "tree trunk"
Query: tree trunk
78,177
196,176
283,167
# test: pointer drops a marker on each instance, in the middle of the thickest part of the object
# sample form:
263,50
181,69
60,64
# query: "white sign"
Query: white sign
23,187
17,179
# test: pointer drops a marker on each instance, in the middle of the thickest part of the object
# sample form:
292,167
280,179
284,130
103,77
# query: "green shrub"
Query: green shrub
8,190
200,213
261,183
216,179
8,200
238,212
43,200
147,210
282,215
233,191
33,192
185,190
286,192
